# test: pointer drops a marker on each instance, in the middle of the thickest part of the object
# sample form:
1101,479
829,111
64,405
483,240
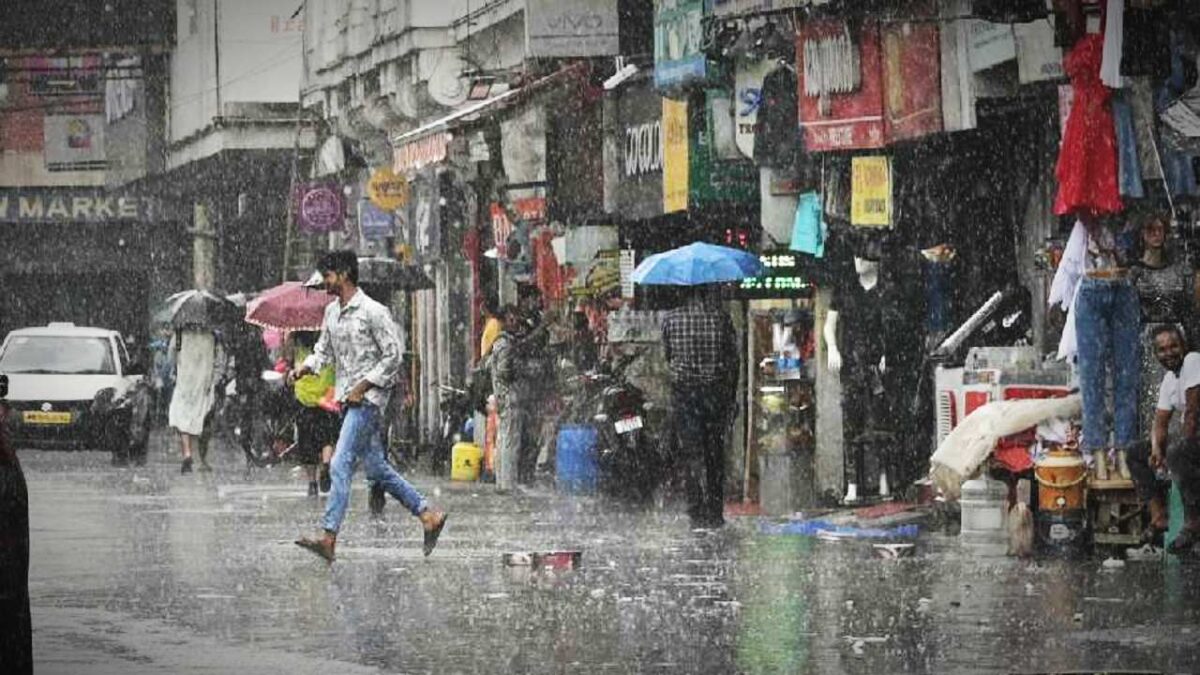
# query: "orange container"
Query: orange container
1061,477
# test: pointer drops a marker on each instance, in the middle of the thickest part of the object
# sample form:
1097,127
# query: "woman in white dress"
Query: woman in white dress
199,364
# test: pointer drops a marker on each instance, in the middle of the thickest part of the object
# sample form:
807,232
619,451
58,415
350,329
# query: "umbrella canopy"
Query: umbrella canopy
697,264
287,307
196,309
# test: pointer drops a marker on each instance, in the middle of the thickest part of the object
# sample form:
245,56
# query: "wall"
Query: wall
259,54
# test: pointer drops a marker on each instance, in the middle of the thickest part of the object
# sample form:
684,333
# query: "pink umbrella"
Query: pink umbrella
289,307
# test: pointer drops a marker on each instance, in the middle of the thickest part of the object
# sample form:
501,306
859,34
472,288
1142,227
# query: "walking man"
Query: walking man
1180,390
359,337
701,349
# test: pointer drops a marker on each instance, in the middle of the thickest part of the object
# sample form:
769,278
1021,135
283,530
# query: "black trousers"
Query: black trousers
1183,458
702,413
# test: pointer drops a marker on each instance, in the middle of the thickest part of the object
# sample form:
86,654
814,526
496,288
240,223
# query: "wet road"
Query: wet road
146,571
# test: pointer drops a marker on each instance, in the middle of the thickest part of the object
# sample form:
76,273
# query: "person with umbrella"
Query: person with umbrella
360,338
701,347
199,369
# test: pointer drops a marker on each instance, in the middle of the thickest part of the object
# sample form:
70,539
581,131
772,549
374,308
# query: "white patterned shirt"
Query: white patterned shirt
363,343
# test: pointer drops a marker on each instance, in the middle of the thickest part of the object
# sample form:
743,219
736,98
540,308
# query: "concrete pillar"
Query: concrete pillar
204,249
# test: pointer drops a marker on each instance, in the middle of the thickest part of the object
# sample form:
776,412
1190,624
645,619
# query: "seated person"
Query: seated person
1180,390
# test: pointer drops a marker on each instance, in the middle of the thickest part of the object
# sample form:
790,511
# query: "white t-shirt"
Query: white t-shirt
1172,395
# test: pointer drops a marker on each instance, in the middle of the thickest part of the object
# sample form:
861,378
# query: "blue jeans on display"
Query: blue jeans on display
1108,328
361,439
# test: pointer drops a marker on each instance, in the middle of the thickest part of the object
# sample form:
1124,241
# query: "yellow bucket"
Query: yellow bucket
465,461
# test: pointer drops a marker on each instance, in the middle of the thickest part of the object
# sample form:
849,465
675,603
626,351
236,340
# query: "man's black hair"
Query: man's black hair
340,262
1169,328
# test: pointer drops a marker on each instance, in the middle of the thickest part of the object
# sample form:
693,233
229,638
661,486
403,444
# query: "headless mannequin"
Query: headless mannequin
868,279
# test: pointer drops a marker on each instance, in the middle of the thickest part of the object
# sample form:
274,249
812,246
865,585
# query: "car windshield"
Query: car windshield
58,355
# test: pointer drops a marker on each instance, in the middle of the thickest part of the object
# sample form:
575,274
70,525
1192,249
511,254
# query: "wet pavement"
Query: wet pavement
147,571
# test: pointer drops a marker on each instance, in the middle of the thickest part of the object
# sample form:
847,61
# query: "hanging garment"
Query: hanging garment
1114,43
777,127
1066,283
1087,162
1130,166
808,234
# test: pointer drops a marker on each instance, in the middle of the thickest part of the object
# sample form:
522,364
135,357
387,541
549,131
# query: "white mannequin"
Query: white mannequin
868,278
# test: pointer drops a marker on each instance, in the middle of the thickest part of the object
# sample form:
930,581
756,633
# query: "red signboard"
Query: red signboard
841,85
912,79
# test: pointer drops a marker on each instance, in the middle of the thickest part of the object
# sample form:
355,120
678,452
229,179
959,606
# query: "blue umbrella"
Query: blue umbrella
697,264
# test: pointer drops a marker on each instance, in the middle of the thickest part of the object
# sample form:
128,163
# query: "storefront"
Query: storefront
85,256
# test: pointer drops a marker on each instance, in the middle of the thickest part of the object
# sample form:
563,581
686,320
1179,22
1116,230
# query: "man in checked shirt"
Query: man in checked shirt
361,340
701,349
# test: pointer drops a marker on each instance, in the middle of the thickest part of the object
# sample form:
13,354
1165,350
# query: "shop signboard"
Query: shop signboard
783,278
628,265
871,192
912,79
32,205
421,152
319,207
712,179
841,85
675,155
1037,56
990,45
639,152
387,190
74,142
373,222
678,43
599,278
747,99
739,7
571,28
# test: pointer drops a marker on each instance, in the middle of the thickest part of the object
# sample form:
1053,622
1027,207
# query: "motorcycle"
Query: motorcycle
629,460
457,409
264,420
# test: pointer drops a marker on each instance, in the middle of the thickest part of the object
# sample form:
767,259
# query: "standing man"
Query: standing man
1180,390
516,450
359,337
701,349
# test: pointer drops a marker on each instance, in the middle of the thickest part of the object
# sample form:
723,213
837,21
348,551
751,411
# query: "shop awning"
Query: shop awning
427,143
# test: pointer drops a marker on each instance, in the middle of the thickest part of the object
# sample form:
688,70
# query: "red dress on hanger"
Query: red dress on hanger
1087,161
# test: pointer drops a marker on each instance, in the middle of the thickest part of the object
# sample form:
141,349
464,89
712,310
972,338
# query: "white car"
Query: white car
75,388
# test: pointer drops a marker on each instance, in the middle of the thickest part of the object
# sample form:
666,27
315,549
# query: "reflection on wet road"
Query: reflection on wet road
144,570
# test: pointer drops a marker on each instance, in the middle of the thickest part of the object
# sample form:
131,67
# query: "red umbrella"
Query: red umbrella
289,307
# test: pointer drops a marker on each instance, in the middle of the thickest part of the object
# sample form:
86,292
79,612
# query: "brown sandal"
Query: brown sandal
431,536
317,546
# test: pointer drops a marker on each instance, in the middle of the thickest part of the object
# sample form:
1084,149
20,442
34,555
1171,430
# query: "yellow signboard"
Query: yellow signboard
387,190
871,194
675,155
39,417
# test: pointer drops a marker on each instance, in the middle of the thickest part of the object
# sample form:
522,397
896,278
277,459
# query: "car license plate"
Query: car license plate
39,417
629,424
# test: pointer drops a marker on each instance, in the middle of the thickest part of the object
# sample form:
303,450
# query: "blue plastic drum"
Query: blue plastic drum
576,460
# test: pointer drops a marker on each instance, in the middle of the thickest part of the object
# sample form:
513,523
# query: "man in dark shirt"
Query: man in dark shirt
701,349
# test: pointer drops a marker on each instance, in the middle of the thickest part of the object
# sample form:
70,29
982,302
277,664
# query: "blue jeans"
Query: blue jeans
361,439
1108,326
